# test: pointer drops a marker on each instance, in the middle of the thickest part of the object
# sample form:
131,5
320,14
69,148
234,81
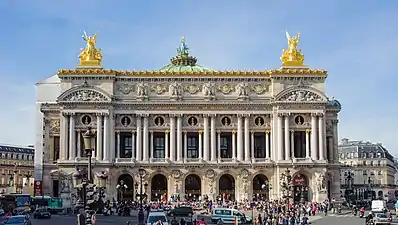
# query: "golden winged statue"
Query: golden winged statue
292,56
90,55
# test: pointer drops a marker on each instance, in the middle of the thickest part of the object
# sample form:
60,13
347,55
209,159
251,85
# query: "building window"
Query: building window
193,148
259,147
56,148
126,147
159,146
225,146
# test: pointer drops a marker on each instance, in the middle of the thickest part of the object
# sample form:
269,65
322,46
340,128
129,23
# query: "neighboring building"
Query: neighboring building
16,167
193,130
371,168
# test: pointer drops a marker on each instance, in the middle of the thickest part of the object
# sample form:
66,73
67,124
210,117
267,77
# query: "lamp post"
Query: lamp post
141,172
370,188
121,187
286,184
88,148
349,180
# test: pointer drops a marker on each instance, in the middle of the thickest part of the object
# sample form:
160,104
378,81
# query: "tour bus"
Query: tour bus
53,204
19,202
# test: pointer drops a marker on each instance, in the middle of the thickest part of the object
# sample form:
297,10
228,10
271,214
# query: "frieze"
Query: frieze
259,88
85,95
195,107
226,88
301,96
192,88
159,88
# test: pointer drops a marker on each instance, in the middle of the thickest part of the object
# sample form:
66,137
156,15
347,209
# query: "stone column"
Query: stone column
307,144
252,145
267,152
133,148
247,138
287,137
239,141
335,140
314,137
106,138
112,123
234,145
200,145
206,138
151,145
63,153
98,151
219,144
321,136
292,144
79,146
280,137
72,137
118,144
145,140
330,143
138,141
213,138
179,138
172,138
166,144
185,145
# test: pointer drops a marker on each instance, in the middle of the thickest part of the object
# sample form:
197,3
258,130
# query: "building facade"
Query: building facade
16,168
368,170
195,131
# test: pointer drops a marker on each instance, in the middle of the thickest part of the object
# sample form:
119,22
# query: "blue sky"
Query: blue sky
356,41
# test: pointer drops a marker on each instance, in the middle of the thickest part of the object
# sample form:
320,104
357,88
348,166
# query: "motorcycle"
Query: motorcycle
370,222
361,214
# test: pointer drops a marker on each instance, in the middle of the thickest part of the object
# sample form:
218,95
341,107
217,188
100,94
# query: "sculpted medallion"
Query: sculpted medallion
226,88
210,173
159,88
259,88
124,88
192,88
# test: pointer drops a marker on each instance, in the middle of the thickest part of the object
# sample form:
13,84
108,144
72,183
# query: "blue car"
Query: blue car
18,220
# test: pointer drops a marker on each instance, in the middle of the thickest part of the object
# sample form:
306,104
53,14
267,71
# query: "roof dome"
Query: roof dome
183,62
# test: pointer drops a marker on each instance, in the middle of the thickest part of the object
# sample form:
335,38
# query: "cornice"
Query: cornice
275,73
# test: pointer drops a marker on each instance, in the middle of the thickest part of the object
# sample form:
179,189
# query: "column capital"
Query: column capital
151,131
133,131
185,132
320,115
292,131
166,132
335,121
118,132
314,115
234,132
307,131
280,114
200,132
267,132
218,131
252,132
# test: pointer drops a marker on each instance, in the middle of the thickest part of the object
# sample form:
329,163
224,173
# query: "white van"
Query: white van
379,206
228,216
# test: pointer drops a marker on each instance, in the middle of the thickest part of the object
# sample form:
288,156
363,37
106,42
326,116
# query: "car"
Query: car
229,216
41,213
18,220
2,212
154,217
381,219
181,211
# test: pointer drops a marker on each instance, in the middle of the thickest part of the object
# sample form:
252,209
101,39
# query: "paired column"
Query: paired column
335,140
145,140
234,145
166,143
213,138
219,144
107,135
321,136
139,139
112,136
179,138
280,137
247,138
151,145
239,141
206,138
172,138
307,143
267,144
252,145
72,137
287,137
292,144
185,145
133,145
314,138
200,145
118,144
98,151
63,153
79,146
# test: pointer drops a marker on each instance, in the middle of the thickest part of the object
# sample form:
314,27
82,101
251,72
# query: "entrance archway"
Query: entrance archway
159,188
261,187
226,186
125,187
300,188
193,187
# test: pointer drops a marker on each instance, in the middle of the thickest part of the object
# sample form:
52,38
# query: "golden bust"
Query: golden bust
292,56
90,56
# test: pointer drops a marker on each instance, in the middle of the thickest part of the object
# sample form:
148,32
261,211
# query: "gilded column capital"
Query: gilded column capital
234,132
118,132
252,132
185,132
151,131
200,132
307,131
166,132
267,132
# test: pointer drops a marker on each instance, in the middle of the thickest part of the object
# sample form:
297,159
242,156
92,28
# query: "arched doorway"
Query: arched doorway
125,187
226,186
261,187
300,188
193,187
159,188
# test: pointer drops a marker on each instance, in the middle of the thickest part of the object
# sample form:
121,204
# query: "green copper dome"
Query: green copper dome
183,62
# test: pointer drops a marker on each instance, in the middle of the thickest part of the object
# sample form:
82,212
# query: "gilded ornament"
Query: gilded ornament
259,88
54,125
192,88
292,56
159,88
226,88
90,56
124,88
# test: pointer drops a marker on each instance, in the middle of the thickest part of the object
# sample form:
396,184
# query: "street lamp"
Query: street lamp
27,176
286,184
80,188
121,188
141,172
370,188
87,140
349,180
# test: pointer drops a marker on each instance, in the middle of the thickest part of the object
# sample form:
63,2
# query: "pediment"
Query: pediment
301,94
84,93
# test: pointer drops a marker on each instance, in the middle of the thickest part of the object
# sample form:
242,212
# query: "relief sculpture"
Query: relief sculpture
175,91
86,95
208,91
241,91
301,96
142,91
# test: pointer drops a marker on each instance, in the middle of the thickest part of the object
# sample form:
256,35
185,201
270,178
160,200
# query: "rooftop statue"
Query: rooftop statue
292,56
90,56
183,49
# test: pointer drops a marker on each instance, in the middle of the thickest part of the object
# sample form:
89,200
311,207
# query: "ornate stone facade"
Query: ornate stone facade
196,131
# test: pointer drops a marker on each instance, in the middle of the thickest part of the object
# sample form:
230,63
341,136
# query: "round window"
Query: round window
226,121
192,121
125,121
86,120
159,121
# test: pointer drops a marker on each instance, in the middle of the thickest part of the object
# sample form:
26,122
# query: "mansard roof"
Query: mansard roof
7,148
